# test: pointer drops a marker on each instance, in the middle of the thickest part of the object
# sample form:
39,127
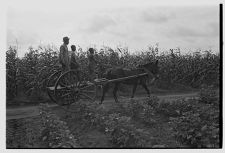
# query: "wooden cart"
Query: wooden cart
72,86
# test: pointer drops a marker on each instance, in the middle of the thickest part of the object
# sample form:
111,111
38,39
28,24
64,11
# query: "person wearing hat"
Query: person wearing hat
64,55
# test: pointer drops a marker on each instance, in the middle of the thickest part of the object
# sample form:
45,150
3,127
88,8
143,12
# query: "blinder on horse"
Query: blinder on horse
152,70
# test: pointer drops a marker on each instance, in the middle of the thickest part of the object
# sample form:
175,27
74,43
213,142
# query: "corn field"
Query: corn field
31,71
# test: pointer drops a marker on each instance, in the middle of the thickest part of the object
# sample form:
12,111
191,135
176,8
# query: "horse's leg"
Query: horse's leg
105,89
145,87
115,92
134,89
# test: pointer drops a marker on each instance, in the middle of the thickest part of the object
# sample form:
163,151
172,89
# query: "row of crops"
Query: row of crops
133,123
30,72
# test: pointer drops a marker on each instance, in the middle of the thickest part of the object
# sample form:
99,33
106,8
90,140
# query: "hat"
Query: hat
91,49
66,38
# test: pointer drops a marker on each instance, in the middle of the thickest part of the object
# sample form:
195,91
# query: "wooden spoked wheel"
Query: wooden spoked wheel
51,85
72,86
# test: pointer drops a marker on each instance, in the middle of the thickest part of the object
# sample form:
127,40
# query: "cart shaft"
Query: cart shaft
127,78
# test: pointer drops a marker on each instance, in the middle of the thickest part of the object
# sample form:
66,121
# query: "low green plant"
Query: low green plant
134,108
55,132
175,107
143,111
197,127
148,115
208,96
123,133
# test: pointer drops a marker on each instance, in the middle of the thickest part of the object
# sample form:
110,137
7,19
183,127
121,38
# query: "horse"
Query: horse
114,73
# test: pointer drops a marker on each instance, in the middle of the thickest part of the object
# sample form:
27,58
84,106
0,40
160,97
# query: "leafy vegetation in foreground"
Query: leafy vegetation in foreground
192,123
43,131
24,133
199,125
55,132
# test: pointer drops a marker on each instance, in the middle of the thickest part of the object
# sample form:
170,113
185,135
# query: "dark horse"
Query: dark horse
115,73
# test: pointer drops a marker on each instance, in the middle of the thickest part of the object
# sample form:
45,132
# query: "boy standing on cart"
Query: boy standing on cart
73,63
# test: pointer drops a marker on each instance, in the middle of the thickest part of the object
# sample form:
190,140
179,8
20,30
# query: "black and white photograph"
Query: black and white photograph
113,74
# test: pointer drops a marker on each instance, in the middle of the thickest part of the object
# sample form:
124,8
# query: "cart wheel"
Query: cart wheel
51,85
73,86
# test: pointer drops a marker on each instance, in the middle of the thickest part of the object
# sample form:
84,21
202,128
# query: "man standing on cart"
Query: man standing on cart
64,58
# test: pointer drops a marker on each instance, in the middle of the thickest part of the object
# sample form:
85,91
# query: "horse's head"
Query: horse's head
151,68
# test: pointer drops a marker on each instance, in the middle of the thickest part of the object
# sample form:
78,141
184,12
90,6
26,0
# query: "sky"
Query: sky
135,24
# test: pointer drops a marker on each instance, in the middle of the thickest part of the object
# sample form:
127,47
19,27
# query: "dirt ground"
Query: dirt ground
29,111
